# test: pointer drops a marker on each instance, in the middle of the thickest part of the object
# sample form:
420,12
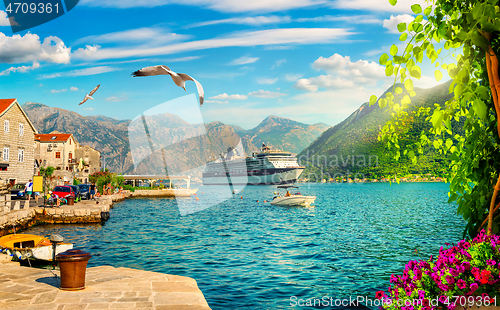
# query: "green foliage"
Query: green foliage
462,27
47,172
76,181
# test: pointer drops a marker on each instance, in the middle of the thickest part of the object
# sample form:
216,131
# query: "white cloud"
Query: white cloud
4,19
81,72
217,5
225,96
427,81
54,91
292,77
266,94
245,38
89,109
28,48
22,69
252,21
149,34
343,74
217,101
72,88
116,99
86,52
244,60
402,6
266,81
278,63
353,19
393,21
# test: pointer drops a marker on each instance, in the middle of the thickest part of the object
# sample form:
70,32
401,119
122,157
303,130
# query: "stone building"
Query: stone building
57,150
88,160
17,146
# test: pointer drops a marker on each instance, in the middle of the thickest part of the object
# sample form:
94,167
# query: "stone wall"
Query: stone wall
19,171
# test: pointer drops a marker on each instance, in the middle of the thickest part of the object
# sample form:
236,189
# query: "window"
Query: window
70,155
20,155
58,154
6,153
21,129
6,125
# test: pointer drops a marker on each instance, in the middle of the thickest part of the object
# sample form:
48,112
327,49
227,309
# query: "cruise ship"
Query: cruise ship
265,167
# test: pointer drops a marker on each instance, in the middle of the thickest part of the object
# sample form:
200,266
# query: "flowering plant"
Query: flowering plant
465,274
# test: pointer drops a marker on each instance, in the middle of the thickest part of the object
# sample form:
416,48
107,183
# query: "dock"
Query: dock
18,215
107,287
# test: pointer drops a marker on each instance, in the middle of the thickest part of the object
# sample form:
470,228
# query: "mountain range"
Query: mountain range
188,145
353,145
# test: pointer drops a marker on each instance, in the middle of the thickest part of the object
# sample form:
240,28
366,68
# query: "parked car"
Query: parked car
64,191
84,190
76,189
17,191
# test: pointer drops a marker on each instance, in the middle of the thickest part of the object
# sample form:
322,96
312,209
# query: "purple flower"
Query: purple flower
421,294
461,284
450,279
473,287
490,262
454,272
443,299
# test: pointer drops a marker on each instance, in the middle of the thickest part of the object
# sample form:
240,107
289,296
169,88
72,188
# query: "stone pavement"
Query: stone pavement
106,288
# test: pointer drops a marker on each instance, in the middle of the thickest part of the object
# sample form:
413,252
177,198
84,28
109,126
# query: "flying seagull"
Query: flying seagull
178,78
89,95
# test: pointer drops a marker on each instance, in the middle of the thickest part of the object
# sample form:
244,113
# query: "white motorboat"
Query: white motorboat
292,199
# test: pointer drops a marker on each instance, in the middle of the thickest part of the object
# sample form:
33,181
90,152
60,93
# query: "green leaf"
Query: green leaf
373,99
438,75
480,108
419,18
382,103
394,50
398,90
401,27
409,85
479,40
393,2
437,118
415,72
482,92
383,59
428,10
403,37
416,8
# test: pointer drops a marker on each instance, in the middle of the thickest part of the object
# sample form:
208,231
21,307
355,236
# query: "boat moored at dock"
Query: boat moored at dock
25,247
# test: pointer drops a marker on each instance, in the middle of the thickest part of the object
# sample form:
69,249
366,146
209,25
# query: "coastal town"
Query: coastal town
23,151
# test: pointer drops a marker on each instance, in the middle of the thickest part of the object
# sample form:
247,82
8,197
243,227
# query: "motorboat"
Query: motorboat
24,247
292,199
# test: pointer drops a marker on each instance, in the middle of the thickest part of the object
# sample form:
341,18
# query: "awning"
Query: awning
4,165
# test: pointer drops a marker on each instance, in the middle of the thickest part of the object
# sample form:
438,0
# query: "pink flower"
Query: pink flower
461,284
473,287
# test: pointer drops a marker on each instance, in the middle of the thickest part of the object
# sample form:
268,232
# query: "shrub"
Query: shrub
463,274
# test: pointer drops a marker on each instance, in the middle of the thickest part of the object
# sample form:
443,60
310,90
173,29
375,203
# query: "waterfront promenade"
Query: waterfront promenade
106,288
19,215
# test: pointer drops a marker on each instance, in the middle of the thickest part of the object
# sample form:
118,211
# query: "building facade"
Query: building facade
17,143
88,161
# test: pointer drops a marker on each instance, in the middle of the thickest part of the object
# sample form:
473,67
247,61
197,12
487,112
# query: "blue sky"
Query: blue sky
308,60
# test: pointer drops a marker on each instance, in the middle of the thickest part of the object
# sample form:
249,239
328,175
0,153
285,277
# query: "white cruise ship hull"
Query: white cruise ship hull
262,177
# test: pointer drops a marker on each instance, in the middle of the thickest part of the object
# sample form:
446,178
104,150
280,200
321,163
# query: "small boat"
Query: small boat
289,199
25,247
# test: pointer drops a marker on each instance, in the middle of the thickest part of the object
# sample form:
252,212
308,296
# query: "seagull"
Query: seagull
89,95
178,78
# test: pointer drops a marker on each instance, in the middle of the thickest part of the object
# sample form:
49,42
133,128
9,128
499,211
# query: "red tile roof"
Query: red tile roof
5,103
59,137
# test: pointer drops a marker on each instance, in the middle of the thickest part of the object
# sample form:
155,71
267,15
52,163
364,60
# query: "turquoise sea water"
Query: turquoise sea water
251,255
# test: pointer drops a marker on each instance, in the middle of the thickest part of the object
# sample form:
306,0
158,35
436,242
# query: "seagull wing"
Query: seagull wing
84,99
94,90
201,93
154,70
